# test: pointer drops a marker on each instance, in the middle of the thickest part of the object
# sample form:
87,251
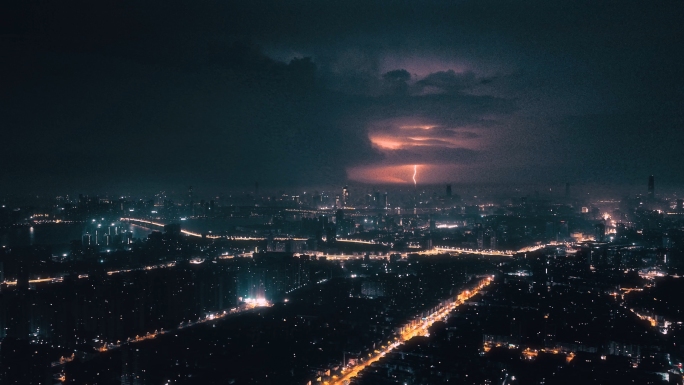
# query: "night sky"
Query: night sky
135,95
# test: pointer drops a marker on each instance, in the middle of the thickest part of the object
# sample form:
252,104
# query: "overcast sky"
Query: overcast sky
142,94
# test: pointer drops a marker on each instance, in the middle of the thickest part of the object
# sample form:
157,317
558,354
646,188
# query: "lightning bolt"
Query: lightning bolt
415,171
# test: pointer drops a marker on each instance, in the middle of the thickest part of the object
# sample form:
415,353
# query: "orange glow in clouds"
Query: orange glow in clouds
387,143
414,127
411,139
392,135
382,174
393,174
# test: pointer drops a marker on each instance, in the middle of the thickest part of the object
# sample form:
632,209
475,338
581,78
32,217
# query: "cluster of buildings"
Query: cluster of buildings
586,281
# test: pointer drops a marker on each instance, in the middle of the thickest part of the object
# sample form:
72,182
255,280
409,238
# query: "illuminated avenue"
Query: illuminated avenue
416,328
436,249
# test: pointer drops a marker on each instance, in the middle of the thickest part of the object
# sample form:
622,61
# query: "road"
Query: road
411,330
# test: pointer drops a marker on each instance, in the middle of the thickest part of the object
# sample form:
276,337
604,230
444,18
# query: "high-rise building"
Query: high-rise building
173,230
480,237
345,196
550,231
651,187
448,190
428,242
563,230
330,234
599,232
127,238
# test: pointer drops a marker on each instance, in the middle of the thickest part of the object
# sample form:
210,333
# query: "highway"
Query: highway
411,330
106,346
435,250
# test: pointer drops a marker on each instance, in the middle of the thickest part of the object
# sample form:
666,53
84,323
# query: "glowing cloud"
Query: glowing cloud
406,134
405,173
410,143
387,143
381,174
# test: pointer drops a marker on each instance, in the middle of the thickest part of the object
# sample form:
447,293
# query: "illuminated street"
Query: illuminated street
104,346
418,328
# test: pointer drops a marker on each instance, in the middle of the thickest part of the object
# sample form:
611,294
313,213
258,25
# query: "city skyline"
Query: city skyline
343,287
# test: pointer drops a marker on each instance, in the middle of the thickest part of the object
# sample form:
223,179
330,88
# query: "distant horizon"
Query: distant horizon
493,190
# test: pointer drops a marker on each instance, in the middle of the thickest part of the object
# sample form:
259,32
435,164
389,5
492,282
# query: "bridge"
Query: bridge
434,250
145,222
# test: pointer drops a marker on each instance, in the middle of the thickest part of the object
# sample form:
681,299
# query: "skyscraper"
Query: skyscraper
599,232
345,196
448,190
651,187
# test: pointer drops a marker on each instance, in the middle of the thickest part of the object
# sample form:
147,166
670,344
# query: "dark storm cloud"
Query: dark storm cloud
250,118
290,93
448,82
396,81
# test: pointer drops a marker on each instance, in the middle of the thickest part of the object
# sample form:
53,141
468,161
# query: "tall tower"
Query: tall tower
651,187
448,190
345,196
